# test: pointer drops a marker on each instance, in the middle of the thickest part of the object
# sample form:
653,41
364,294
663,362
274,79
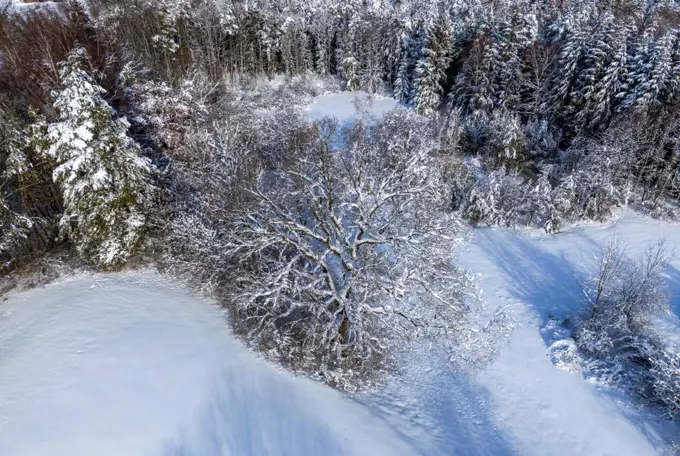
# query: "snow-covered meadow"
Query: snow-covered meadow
133,364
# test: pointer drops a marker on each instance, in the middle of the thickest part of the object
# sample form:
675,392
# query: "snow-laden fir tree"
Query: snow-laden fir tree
169,13
100,170
571,53
512,38
406,63
638,69
652,77
475,85
597,83
606,92
430,71
505,142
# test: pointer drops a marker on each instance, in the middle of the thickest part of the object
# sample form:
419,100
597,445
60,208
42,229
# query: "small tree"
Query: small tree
100,170
609,267
624,297
350,71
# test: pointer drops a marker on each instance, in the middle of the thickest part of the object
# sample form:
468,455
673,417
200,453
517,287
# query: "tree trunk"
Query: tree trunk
344,328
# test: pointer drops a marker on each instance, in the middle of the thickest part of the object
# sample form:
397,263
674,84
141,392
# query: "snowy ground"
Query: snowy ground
131,365
539,273
523,404
347,106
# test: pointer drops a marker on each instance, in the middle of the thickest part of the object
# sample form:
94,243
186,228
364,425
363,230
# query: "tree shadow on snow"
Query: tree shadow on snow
673,282
439,411
549,284
256,412
545,281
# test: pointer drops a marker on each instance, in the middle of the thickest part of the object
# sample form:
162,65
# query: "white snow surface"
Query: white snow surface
20,7
540,409
131,364
347,106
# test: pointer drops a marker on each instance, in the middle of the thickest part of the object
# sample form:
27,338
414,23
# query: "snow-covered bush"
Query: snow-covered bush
99,169
665,379
169,115
625,297
495,200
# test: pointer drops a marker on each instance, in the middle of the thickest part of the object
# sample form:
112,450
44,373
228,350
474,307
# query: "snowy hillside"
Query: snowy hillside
417,228
131,364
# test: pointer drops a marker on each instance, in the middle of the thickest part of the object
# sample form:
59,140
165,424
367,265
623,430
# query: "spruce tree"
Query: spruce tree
430,72
100,170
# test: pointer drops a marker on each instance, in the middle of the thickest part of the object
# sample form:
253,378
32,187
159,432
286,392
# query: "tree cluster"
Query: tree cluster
626,298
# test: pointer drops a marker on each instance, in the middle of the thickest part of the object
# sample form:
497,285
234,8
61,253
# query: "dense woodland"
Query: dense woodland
132,130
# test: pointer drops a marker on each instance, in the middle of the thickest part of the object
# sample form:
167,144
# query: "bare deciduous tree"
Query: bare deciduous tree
346,251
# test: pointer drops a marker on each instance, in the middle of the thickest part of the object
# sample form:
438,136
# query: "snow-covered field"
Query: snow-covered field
347,106
543,410
131,364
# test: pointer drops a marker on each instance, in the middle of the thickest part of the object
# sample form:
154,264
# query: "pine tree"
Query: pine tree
568,66
597,84
607,89
512,39
430,72
474,88
652,78
402,83
100,170
638,69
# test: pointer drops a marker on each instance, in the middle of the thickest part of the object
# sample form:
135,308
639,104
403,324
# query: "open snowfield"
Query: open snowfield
543,410
131,364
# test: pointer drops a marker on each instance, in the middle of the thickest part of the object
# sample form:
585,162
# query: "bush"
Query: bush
617,330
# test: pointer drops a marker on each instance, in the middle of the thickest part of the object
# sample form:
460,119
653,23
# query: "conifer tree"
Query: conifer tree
430,71
402,82
100,170
596,86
